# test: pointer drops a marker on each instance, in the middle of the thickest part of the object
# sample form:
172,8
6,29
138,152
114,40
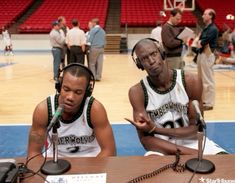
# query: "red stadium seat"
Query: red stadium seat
11,10
49,10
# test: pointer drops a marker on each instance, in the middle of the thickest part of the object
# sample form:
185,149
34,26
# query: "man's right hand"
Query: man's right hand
143,123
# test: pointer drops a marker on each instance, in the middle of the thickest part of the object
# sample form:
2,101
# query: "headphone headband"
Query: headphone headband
159,47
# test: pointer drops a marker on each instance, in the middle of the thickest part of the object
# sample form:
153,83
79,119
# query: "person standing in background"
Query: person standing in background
97,42
6,36
156,32
171,43
206,58
87,50
76,41
57,42
64,30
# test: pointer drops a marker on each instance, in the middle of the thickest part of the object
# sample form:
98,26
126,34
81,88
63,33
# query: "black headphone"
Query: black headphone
91,82
159,47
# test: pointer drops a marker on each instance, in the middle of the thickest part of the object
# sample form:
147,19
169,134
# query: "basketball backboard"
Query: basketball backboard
184,5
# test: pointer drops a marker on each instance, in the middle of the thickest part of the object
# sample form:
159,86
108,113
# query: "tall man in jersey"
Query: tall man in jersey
162,104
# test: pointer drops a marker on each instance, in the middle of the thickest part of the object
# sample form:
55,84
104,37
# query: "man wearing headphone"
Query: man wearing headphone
162,103
84,127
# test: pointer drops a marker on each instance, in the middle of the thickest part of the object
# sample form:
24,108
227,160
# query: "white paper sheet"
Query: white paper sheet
186,33
77,178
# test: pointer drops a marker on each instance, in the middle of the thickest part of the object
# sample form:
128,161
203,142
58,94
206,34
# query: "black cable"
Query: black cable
175,166
23,169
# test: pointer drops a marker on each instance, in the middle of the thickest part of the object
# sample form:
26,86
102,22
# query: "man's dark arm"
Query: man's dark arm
209,35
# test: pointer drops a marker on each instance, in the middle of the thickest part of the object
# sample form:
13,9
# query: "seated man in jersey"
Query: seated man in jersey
84,126
162,104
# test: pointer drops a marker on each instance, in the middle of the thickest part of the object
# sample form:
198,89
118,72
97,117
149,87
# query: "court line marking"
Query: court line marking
123,122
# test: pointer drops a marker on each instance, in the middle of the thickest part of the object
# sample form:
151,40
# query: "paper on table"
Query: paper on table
186,33
81,178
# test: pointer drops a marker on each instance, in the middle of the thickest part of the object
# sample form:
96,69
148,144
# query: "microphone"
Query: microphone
55,166
56,117
200,120
199,165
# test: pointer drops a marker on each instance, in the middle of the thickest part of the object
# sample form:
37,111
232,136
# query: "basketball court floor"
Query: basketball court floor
26,79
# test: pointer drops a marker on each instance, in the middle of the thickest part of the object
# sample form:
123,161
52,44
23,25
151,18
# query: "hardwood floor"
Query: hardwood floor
26,79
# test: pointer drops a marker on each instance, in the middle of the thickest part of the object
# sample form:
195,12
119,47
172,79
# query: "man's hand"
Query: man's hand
199,44
143,123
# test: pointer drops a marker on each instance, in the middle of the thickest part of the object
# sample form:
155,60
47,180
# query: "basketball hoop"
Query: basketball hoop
179,4
183,5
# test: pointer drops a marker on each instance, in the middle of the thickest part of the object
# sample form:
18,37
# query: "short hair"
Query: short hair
75,22
212,14
175,11
158,23
60,18
78,72
96,21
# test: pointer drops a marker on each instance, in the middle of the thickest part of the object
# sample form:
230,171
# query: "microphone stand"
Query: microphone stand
55,166
200,165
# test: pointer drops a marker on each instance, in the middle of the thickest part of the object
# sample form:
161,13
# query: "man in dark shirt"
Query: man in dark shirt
206,58
172,45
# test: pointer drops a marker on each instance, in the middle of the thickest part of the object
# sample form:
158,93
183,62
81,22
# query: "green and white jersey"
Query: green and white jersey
75,137
168,109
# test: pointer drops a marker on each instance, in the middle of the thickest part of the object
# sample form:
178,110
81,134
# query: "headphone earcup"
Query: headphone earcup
163,54
58,85
89,90
138,64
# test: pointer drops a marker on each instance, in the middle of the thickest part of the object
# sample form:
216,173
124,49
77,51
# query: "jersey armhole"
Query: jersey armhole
49,110
89,112
49,107
183,78
145,93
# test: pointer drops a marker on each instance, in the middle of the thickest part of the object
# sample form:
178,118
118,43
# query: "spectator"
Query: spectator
64,30
206,58
233,41
57,42
97,42
76,41
90,26
6,36
156,32
171,43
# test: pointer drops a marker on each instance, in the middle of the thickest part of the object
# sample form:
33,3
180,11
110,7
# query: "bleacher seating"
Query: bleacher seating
49,10
222,9
11,10
138,13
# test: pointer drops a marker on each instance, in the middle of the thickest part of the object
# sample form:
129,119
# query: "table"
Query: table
123,169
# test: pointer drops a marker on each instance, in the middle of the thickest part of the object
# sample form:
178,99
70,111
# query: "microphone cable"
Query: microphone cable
23,169
175,166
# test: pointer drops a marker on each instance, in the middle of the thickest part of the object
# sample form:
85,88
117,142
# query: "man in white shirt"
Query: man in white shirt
156,32
76,41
